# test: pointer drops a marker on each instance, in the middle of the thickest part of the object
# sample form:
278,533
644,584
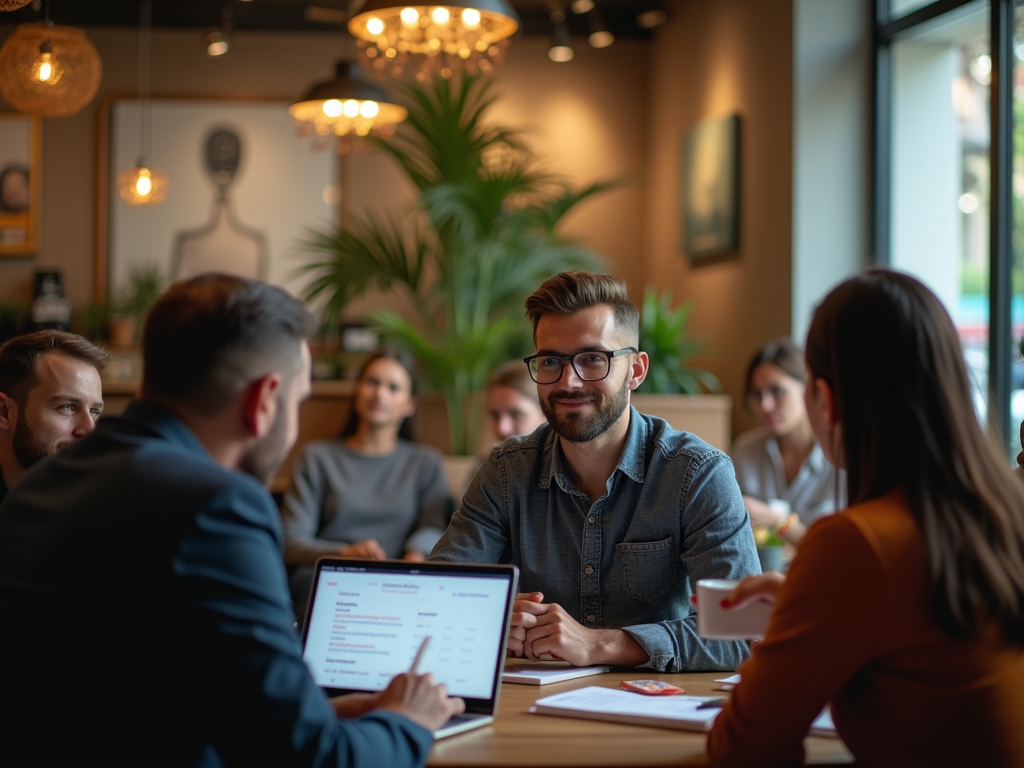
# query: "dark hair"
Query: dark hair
888,350
408,363
569,292
514,375
208,338
784,355
18,358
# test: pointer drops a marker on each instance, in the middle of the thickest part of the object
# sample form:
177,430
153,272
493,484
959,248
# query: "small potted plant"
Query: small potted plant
129,303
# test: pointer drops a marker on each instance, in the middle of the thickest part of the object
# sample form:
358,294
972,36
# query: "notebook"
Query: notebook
596,703
366,620
547,672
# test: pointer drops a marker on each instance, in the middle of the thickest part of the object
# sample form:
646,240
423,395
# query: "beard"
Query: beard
265,457
579,427
29,448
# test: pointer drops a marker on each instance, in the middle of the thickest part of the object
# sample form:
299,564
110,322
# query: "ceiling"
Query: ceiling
288,15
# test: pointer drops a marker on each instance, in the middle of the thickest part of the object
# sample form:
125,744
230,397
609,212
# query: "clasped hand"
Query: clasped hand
545,632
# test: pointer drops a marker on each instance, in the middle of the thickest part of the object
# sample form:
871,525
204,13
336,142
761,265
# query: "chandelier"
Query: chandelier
426,40
346,105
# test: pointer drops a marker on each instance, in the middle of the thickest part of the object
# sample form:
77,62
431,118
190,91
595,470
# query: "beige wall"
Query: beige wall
587,121
615,113
714,59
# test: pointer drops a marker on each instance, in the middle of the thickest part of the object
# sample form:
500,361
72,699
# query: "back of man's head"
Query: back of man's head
569,292
206,339
19,356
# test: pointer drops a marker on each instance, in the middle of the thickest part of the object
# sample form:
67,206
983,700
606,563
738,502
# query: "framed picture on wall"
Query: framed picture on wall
20,169
242,189
710,192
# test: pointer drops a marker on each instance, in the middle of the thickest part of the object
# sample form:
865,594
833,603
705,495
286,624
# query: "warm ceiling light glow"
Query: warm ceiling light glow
361,107
561,53
403,40
144,184
651,19
601,39
582,6
46,68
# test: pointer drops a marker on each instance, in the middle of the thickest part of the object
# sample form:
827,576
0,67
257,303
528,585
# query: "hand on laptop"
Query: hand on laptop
420,699
368,550
545,632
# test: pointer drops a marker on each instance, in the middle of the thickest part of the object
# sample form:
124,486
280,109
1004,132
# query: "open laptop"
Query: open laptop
366,620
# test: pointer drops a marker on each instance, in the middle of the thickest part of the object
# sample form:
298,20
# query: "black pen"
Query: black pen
711,704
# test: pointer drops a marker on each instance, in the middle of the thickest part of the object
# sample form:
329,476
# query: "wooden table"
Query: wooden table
518,738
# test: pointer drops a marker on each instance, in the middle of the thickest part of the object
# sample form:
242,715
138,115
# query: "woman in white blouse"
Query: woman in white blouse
785,479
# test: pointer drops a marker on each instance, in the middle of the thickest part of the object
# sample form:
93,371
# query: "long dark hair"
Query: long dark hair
403,358
888,350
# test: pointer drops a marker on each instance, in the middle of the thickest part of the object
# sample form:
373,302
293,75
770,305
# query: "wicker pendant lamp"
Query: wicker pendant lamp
13,5
49,70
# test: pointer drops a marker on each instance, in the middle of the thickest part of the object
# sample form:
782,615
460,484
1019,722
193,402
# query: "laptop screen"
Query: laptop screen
367,619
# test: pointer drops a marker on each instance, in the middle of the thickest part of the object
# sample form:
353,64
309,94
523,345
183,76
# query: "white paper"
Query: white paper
544,673
612,702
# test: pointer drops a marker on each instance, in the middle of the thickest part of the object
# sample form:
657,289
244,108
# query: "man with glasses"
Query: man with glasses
611,516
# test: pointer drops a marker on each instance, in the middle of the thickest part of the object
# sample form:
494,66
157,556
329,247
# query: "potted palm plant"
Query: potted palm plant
480,237
672,382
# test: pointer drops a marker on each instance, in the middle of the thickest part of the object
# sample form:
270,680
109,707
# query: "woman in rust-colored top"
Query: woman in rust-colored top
906,611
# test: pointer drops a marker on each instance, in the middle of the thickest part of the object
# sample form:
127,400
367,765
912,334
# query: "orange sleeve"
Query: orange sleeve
824,628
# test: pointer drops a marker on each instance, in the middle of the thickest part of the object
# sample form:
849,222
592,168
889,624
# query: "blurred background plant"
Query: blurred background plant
665,338
13,319
129,302
481,236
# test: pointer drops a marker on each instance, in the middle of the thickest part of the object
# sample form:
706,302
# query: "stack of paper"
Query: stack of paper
595,703
550,672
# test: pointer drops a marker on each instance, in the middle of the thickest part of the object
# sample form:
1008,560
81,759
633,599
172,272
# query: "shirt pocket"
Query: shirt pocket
649,568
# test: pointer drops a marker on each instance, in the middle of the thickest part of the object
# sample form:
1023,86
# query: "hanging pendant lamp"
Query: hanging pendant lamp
49,70
13,5
424,40
348,104
142,185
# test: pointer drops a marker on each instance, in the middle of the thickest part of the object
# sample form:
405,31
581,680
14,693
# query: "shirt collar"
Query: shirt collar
631,462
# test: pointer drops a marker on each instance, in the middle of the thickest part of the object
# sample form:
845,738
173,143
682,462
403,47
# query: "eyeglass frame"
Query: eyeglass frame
571,359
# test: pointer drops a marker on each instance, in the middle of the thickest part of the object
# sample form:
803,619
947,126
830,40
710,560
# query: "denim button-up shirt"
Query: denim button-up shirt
671,514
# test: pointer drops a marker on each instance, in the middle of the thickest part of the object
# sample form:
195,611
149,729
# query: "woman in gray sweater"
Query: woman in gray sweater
371,493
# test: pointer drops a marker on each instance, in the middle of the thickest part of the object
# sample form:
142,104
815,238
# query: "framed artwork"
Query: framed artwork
20,171
711,187
242,188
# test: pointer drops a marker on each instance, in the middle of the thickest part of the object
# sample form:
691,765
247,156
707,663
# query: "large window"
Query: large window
948,209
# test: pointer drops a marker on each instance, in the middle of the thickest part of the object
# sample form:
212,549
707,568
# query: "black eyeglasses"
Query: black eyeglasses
589,365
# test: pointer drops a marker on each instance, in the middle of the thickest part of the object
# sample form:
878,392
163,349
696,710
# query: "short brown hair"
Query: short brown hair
18,358
207,338
570,292
513,375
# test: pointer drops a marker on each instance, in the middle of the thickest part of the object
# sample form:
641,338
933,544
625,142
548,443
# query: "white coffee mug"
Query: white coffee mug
714,621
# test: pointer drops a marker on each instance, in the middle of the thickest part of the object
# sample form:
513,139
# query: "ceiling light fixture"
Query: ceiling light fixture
348,104
561,50
581,6
143,185
424,40
13,5
217,39
49,70
651,19
600,35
